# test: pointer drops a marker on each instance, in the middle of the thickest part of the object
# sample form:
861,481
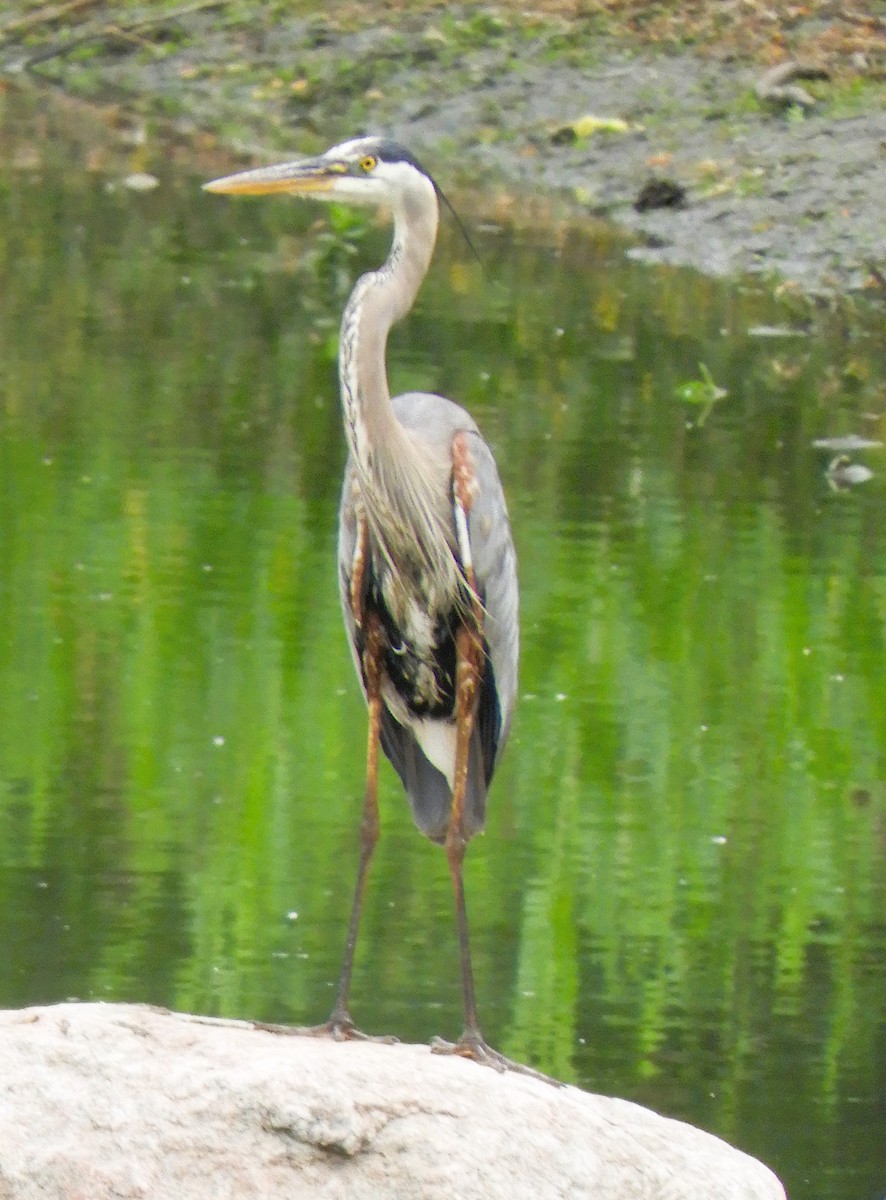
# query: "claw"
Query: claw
340,1027
472,1045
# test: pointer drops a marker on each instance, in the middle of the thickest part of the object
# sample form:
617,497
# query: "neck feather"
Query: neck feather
378,300
405,493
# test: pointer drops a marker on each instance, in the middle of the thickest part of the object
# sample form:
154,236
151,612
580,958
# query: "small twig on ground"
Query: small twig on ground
126,35
870,19
109,33
774,86
187,11
44,16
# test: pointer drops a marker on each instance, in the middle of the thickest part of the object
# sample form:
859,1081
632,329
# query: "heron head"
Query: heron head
366,170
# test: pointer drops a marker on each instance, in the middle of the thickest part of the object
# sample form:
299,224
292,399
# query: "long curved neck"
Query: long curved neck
377,301
403,484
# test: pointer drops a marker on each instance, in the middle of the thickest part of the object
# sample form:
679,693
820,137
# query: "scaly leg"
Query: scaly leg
340,1024
469,653
471,1044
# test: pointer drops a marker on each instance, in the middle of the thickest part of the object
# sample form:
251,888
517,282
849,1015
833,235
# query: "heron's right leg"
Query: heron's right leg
340,1020
340,1024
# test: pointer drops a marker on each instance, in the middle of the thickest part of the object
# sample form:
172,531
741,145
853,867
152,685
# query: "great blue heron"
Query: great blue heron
427,569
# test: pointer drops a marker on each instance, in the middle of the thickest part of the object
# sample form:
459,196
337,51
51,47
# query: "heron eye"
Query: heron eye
369,163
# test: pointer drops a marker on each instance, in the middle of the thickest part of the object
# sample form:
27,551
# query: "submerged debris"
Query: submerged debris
703,392
842,473
846,443
587,126
660,193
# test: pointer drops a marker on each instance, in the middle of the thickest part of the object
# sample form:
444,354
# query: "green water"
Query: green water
680,897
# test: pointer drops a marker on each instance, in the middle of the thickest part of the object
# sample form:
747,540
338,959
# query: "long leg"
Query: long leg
467,662
340,1025
469,653
471,1044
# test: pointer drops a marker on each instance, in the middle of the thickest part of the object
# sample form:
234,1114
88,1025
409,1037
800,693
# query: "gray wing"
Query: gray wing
347,541
495,567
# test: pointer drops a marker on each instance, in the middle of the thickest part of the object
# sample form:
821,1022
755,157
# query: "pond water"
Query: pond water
680,896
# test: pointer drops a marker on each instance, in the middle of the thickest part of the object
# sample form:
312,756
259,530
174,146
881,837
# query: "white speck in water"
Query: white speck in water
561,696
207,567
292,915
218,740
719,840
807,650
140,181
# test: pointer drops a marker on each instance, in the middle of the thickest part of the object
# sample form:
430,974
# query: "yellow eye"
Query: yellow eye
369,163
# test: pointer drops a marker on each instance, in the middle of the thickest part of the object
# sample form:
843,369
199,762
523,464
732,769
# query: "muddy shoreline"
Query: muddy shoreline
792,194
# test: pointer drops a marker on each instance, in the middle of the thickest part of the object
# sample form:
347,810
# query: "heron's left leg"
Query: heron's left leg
469,652
471,1044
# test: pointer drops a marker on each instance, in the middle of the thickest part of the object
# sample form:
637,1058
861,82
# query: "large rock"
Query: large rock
108,1100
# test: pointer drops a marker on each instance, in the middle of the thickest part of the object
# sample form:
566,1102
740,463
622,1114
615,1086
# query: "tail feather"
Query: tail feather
427,788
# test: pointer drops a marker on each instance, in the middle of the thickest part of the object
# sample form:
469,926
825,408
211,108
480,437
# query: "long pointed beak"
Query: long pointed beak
312,175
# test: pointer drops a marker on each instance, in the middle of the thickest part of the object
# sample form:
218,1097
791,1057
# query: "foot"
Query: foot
340,1027
472,1045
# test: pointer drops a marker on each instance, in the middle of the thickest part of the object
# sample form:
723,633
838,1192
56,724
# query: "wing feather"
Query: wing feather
435,421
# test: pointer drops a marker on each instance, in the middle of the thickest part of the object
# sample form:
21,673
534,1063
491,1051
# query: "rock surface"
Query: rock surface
114,1100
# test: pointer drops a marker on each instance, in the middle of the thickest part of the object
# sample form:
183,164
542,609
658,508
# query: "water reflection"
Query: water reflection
681,895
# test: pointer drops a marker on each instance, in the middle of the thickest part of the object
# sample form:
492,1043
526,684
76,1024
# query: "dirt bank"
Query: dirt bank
495,99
